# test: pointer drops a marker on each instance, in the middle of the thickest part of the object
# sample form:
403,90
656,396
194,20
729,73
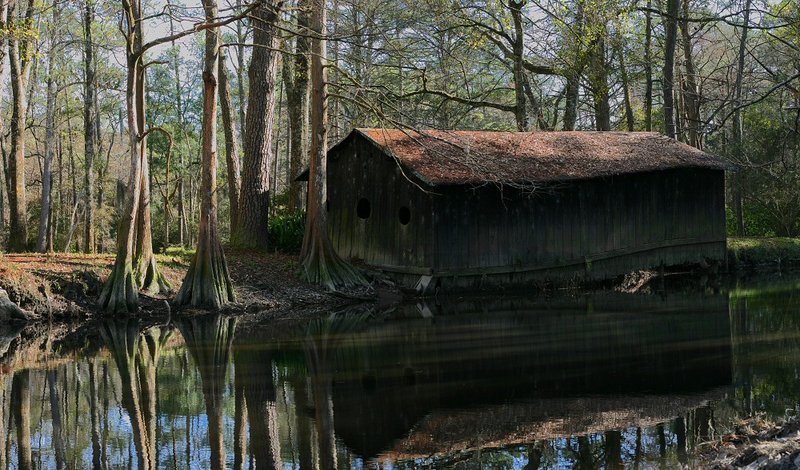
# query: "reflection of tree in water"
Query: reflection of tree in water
209,340
239,422
55,412
253,369
321,342
21,411
136,355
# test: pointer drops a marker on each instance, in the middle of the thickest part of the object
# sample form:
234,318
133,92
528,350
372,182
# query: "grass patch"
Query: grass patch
758,250
176,257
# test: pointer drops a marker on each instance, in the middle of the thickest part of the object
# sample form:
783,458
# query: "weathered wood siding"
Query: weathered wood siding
668,217
359,170
593,228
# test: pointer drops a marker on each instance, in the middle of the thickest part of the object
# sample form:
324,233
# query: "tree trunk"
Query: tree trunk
20,58
148,277
207,282
648,69
135,265
598,77
89,96
574,71
231,142
520,108
176,68
671,33
49,140
254,203
3,160
321,264
297,105
119,293
2,186
241,37
626,89
738,183
691,96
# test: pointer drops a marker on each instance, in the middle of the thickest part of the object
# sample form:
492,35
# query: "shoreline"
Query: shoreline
65,286
755,443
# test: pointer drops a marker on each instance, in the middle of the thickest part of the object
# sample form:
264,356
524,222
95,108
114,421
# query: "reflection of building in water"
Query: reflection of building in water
463,379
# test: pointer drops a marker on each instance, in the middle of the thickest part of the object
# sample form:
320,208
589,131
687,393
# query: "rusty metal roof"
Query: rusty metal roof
444,157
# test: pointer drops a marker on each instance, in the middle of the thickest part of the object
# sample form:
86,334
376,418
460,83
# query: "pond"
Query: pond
604,380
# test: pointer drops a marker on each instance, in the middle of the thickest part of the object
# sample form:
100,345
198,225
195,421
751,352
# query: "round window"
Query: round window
363,208
404,214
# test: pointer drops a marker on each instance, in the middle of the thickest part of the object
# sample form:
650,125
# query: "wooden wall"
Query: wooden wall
599,227
582,222
359,170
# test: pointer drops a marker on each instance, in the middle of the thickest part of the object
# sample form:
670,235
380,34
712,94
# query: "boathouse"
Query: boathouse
477,209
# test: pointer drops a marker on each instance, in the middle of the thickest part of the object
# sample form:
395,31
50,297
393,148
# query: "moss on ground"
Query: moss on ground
755,251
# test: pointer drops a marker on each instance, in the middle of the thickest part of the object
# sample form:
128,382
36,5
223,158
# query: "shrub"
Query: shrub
286,231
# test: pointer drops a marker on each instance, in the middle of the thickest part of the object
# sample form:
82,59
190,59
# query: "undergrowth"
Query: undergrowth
758,250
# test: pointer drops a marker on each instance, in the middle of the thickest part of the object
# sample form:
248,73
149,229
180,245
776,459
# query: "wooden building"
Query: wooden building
465,209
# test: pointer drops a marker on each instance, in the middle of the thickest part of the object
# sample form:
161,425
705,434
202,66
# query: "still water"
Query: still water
600,381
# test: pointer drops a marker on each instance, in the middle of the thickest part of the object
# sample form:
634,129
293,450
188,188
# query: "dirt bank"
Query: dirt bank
756,443
65,286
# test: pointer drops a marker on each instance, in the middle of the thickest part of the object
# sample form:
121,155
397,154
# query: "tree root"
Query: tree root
152,280
324,267
119,294
208,282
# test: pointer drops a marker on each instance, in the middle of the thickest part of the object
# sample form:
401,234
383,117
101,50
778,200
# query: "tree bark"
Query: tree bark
207,282
20,59
148,277
321,264
241,36
598,77
671,33
520,107
297,104
573,75
254,203
234,166
648,69
89,96
3,161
